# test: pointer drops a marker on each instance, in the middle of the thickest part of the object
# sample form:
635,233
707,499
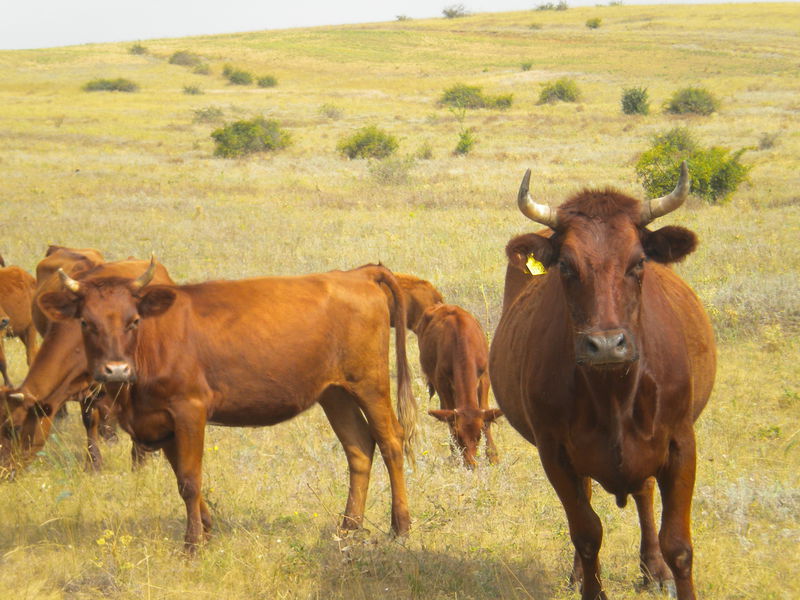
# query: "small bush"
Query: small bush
692,100
247,137
239,77
202,69
535,26
424,152
111,85
192,90
471,96
560,90
403,18
368,142
454,11
330,111
138,49
267,81
716,172
185,59
560,5
594,22
527,65
209,114
466,140
635,101
393,170
768,140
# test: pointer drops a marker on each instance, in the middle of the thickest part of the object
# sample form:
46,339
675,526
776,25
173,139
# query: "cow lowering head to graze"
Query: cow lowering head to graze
454,357
604,362
59,373
249,353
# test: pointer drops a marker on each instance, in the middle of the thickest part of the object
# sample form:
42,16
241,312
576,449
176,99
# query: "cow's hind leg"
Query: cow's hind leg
654,569
483,401
353,432
385,428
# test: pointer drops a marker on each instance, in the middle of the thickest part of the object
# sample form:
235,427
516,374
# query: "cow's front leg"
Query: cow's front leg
676,482
185,454
585,528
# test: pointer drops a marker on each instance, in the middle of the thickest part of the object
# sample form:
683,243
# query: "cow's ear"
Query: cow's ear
491,414
155,301
59,306
520,248
444,415
669,244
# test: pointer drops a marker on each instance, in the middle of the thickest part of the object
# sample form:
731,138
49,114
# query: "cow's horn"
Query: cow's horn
147,276
69,282
658,207
17,396
541,213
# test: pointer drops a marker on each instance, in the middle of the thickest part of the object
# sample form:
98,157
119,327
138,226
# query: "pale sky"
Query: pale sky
48,23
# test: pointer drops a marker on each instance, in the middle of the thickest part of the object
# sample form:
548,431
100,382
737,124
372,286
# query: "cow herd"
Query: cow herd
603,358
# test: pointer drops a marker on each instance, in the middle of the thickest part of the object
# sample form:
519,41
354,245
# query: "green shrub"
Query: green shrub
471,96
466,140
209,114
185,59
368,142
267,81
560,5
239,77
403,18
454,11
527,65
392,170
424,152
594,22
246,137
192,90
111,85
202,69
137,48
692,100
330,111
560,90
715,172
635,101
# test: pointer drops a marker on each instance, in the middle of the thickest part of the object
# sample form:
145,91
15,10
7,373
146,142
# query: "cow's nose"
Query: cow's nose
118,371
606,347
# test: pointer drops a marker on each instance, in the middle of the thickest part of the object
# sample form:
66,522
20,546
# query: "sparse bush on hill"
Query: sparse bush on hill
466,140
238,76
185,58
331,111
209,114
471,96
425,151
594,22
192,90
692,100
535,26
454,11
368,142
403,18
527,65
247,137
768,140
560,5
138,49
392,170
560,90
202,69
111,85
716,172
267,81
635,101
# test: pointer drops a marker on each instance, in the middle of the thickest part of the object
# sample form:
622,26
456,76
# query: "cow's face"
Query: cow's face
466,427
599,252
110,311
23,429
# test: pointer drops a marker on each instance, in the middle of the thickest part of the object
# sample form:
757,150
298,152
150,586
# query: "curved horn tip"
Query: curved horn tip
148,275
17,396
69,282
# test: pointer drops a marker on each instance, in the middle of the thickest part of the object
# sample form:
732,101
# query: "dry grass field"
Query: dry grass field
131,173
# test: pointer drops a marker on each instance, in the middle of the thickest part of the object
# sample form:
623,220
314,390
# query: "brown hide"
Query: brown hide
250,353
57,374
604,362
16,295
419,295
454,357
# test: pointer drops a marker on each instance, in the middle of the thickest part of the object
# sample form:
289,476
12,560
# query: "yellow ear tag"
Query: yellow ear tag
534,266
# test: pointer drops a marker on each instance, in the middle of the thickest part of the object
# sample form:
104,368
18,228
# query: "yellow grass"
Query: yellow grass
131,173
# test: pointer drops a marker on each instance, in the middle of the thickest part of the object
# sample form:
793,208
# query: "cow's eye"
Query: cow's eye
84,324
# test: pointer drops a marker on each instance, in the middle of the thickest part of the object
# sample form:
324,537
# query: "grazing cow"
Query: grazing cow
455,359
250,353
419,295
604,362
57,374
16,295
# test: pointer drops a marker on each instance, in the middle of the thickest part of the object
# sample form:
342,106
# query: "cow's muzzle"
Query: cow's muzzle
606,348
115,372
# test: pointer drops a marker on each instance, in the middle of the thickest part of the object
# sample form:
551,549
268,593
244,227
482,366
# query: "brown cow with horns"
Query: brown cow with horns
604,363
249,353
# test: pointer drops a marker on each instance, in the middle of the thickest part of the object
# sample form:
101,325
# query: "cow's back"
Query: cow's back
16,296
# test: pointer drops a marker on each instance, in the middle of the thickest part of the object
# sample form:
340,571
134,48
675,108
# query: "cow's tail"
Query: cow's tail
406,403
